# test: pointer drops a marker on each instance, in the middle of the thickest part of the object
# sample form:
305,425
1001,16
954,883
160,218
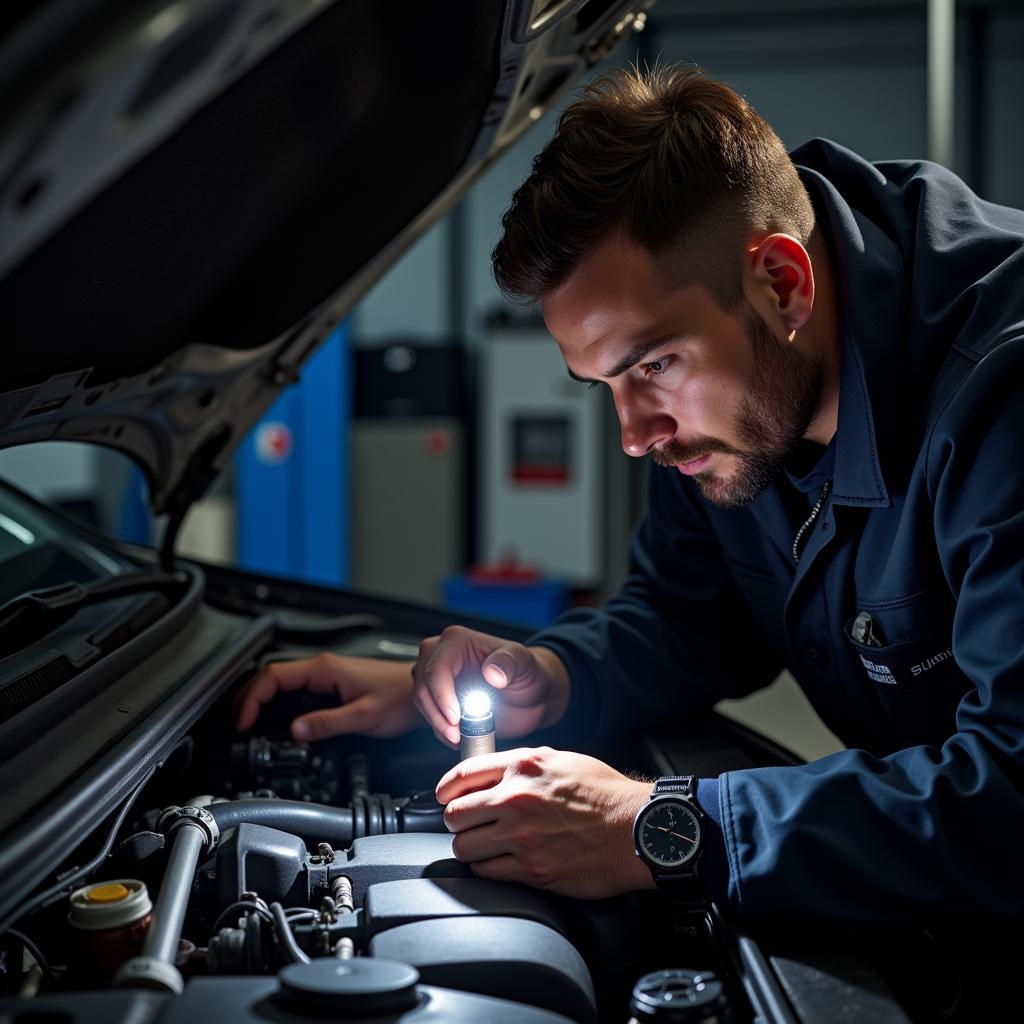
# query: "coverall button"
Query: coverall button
814,657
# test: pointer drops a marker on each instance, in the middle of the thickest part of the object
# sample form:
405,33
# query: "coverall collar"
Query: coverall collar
872,311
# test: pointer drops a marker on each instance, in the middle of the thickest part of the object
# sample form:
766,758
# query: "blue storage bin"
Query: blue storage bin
534,603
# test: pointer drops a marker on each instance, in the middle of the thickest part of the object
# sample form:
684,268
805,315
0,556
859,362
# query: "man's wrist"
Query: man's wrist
559,685
638,875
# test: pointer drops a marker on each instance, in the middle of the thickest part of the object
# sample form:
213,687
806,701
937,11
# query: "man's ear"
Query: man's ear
782,276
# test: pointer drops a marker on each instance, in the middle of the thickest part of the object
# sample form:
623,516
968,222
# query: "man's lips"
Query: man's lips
694,466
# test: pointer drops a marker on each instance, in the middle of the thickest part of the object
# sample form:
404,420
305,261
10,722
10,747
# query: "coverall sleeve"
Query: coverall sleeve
665,645
927,830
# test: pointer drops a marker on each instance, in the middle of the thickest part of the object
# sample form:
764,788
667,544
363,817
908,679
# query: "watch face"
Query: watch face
667,834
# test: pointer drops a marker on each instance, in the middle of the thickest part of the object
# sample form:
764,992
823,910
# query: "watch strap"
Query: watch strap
686,785
686,883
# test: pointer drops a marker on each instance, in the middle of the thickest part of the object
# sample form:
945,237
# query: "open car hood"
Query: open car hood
194,192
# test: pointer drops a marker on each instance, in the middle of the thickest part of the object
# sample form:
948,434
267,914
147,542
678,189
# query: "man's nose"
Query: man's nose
643,429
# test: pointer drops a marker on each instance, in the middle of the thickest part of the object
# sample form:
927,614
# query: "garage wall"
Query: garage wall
1002,86
850,71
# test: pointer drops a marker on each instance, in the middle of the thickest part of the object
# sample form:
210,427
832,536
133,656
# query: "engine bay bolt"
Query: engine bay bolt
326,853
341,890
345,948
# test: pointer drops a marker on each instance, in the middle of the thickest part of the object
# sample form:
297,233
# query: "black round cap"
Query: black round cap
678,996
363,985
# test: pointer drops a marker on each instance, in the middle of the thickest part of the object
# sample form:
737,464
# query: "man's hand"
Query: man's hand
533,681
549,818
380,698
376,696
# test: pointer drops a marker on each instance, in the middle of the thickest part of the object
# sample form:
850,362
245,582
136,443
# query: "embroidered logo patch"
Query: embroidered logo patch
878,672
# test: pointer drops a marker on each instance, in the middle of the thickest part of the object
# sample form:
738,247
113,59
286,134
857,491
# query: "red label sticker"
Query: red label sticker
556,476
273,443
438,442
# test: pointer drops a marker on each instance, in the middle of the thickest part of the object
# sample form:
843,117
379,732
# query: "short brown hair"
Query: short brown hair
679,162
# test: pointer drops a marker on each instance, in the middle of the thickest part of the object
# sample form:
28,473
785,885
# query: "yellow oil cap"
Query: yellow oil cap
110,892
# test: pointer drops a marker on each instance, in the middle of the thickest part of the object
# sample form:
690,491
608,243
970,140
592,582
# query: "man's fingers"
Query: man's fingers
503,868
515,671
362,715
319,675
423,699
475,773
509,664
499,668
471,810
253,697
479,844
438,676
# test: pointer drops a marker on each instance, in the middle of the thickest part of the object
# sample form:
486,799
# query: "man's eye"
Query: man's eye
658,366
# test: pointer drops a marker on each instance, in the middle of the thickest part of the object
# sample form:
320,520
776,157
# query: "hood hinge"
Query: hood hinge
198,475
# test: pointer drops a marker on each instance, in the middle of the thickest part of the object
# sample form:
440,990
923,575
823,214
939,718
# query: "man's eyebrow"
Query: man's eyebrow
582,380
631,358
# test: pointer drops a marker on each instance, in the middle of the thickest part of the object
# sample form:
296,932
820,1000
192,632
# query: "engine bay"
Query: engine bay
240,868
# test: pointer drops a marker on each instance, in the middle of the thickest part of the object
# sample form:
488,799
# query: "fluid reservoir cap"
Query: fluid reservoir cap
677,996
108,892
112,904
361,986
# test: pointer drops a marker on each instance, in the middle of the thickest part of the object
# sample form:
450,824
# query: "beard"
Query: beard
784,395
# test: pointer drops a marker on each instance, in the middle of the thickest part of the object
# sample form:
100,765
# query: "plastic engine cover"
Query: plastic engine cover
390,904
497,956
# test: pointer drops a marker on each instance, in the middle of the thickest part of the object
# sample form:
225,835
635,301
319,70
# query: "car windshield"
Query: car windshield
38,551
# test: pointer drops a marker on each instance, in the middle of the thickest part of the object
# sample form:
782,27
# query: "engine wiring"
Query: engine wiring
244,907
284,932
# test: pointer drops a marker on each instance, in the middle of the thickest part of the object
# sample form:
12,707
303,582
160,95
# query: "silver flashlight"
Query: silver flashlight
476,725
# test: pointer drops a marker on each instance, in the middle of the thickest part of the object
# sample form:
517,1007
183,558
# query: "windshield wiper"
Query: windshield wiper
24,617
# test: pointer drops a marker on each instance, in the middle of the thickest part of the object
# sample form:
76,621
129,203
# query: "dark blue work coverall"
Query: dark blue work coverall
919,535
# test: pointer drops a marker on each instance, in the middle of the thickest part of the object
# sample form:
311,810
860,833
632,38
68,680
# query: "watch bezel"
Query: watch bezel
650,807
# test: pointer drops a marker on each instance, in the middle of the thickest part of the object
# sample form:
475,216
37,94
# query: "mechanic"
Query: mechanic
823,357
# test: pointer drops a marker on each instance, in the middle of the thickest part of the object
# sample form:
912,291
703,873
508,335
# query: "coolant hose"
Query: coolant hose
191,832
169,912
314,822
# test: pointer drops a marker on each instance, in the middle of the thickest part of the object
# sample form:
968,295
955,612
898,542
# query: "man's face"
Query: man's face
715,394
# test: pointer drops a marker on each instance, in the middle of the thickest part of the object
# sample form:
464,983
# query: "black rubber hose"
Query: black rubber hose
315,822
358,817
389,820
284,933
374,825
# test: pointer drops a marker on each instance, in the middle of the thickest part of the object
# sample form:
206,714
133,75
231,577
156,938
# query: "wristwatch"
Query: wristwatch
668,833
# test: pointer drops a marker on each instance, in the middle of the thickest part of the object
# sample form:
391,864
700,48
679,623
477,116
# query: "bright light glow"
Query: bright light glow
476,704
